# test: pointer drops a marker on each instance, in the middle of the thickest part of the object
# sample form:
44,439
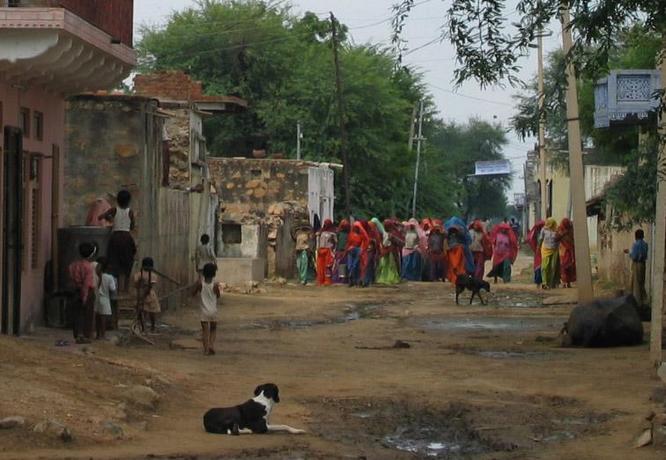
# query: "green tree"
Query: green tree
455,149
490,41
636,47
283,66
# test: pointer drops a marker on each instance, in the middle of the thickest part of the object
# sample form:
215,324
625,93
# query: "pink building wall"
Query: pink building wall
53,109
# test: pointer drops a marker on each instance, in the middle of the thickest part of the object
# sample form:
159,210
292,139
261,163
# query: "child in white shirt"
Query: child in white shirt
209,294
105,288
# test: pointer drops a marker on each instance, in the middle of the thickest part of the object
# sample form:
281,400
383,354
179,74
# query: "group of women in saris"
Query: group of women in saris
554,253
361,253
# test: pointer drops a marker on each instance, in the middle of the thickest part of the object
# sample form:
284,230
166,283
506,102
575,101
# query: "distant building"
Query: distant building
260,203
48,50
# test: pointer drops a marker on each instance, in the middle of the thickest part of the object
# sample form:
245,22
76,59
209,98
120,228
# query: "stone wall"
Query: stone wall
116,142
179,136
105,141
247,188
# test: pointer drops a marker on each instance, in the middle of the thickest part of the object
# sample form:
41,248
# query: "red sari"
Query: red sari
326,254
565,236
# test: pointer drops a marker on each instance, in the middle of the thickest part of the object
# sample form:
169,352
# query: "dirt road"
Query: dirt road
476,382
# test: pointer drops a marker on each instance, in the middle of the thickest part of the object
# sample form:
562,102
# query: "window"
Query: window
231,234
24,121
38,125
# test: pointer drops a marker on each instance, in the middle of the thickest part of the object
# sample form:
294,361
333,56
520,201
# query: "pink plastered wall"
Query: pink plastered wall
52,106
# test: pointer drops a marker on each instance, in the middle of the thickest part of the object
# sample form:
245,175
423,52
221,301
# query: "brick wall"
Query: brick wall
173,84
114,17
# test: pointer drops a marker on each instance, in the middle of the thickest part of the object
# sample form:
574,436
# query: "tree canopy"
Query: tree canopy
489,45
636,47
282,64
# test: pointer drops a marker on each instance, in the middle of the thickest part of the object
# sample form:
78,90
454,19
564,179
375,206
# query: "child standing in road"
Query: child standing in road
104,290
148,301
205,253
209,294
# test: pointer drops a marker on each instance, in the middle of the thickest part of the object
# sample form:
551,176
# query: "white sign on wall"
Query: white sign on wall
492,168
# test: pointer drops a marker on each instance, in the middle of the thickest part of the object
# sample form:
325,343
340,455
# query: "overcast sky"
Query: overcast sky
369,22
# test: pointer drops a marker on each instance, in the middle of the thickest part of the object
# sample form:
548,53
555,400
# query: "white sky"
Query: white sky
368,21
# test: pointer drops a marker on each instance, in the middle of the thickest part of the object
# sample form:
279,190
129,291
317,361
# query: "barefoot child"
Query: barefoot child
148,301
209,294
205,253
105,289
122,248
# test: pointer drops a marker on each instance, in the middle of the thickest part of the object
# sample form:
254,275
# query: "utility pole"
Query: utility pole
299,135
418,158
577,180
658,262
411,129
341,116
542,131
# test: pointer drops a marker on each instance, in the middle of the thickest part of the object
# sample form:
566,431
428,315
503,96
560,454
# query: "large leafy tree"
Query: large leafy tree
455,149
283,66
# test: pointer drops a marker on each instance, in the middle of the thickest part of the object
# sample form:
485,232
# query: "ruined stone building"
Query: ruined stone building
260,203
152,145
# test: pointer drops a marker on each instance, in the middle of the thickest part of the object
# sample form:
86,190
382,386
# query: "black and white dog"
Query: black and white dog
471,284
249,417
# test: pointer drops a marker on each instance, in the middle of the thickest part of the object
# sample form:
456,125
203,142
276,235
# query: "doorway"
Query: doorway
12,221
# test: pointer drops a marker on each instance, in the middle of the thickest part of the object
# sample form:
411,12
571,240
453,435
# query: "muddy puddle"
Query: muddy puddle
489,324
456,430
516,299
350,313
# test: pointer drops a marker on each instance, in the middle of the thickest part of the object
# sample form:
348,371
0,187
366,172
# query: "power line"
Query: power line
471,97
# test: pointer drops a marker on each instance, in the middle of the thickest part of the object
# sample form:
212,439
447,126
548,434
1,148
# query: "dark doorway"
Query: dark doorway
12,197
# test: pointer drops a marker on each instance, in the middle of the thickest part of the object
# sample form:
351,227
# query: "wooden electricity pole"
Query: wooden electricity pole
659,243
542,131
577,180
341,116
418,158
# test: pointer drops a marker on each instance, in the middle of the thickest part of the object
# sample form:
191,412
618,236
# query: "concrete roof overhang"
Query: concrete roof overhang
57,50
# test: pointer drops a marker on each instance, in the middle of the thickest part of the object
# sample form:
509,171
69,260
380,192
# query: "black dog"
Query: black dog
471,284
249,417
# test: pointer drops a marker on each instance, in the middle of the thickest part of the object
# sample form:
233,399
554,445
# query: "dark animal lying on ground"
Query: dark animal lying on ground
471,284
249,417
604,323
